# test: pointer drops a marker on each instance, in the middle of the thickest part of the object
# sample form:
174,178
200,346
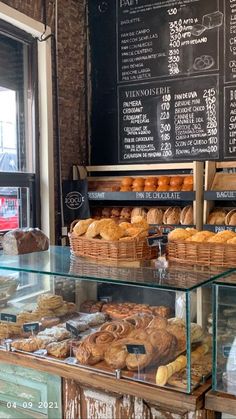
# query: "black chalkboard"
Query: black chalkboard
163,80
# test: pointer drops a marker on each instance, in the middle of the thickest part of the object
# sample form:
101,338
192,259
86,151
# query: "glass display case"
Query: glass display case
146,324
224,334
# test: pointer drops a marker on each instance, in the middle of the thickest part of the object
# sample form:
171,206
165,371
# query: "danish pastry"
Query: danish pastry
120,329
92,348
58,349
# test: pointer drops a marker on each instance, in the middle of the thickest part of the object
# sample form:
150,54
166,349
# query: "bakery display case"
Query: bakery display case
224,334
135,324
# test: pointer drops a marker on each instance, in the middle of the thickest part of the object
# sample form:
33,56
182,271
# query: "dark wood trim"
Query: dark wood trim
220,402
91,378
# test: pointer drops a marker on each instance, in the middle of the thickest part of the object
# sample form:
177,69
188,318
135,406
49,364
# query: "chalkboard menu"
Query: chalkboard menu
163,80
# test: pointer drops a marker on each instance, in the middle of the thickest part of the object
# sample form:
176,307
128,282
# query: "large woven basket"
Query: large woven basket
205,254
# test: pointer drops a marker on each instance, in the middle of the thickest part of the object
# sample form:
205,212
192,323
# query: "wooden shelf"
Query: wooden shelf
220,402
95,379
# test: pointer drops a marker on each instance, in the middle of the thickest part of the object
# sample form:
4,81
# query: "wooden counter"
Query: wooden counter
221,402
83,378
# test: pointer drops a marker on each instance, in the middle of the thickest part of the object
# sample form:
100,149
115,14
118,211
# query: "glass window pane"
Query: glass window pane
14,208
16,107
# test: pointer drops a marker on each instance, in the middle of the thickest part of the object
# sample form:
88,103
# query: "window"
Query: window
19,166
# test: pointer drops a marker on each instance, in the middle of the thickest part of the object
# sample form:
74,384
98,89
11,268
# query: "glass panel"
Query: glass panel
16,105
225,340
59,260
14,208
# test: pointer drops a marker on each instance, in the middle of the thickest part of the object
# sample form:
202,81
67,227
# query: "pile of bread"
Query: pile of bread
220,216
162,339
205,236
156,215
161,183
108,229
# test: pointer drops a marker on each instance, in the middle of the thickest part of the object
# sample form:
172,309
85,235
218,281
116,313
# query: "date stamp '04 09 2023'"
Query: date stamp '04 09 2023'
30,405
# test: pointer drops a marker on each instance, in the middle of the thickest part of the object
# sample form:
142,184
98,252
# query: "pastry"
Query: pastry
49,301
111,232
125,225
58,349
157,322
27,317
127,181
163,188
134,362
96,306
179,333
115,212
138,188
49,322
95,319
231,241
222,237
86,306
32,344
178,234
79,325
116,354
151,181
162,311
138,182
71,307
139,321
164,343
4,331
95,228
201,236
57,333
186,188
217,216
106,212
155,216
82,226
172,215
120,329
125,214
163,181
188,180
138,212
186,215
230,218
174,188
176,181
93,347
149,188
125,189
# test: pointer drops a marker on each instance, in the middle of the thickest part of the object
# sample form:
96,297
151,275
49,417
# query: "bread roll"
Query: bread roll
125,189
201,236
139,188
125,214
150,188
175,188
163,188
222,237
186,216
188,180
232,241
115,212
106,212
176,181
172,215
138,182
82,226
127,181
111,232
155,216
217,216
163,180
138,212
96,226
151,181
179,234
230,219
186,188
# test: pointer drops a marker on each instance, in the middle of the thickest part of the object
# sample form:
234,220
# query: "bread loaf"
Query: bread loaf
230,218
172,215
186,216
24,240
155,216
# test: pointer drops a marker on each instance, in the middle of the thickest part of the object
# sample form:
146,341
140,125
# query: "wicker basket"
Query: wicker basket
205,254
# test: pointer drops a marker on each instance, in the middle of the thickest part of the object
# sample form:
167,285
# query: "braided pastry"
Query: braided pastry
92,348
140,321
119,328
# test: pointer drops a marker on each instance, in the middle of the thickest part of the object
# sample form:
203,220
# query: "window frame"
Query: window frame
35,29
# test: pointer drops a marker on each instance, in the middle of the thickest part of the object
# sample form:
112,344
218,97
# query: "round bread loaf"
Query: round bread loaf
172,215
186,216
230,218
217,216
155,216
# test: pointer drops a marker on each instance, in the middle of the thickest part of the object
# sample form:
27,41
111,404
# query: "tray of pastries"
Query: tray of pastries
190,246
100,338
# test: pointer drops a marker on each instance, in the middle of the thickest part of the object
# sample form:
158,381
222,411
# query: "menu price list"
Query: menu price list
230,123
167,38
178,121
230,40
